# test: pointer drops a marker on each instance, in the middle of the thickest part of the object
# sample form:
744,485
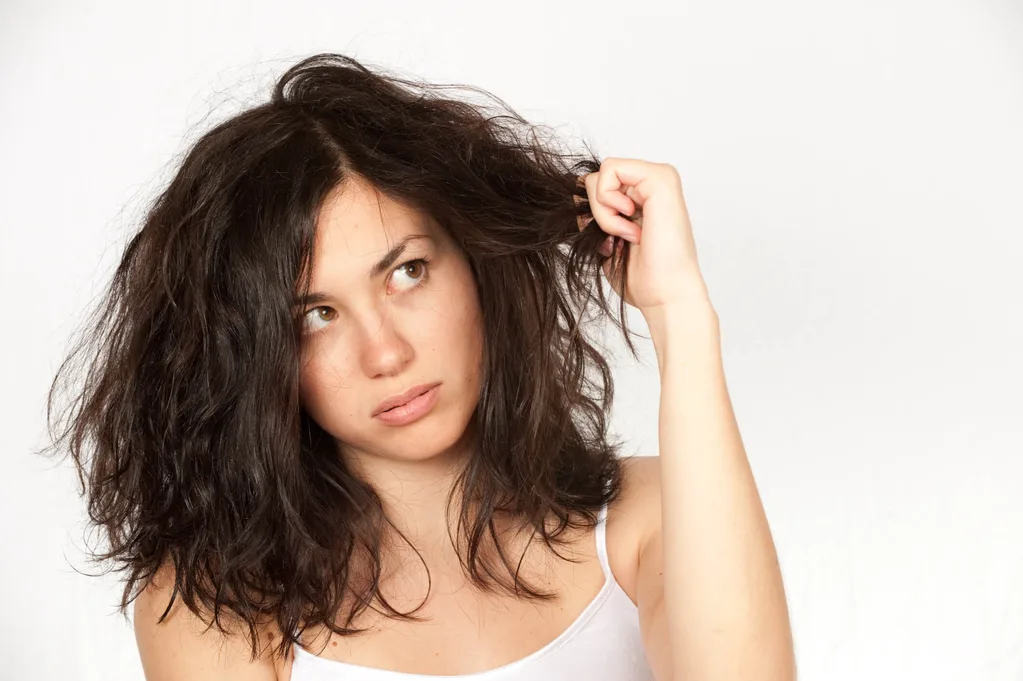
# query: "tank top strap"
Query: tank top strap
601,533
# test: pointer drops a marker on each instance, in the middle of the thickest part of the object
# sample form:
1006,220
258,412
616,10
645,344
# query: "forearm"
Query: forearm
724,598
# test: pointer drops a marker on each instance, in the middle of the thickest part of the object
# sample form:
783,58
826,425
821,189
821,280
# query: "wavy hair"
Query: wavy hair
179,403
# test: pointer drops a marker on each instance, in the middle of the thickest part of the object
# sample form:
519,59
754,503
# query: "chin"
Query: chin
429,441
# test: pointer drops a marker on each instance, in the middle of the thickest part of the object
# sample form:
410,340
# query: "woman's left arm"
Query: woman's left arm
709,587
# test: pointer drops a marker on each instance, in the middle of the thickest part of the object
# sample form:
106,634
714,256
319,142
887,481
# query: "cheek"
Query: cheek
465,337
325,388
445,322
446,331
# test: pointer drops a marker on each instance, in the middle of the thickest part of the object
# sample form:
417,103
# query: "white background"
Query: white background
855,181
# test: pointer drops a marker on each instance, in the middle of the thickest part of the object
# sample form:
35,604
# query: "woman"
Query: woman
340,419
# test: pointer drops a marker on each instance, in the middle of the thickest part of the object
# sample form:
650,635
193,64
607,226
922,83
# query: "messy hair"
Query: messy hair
185,425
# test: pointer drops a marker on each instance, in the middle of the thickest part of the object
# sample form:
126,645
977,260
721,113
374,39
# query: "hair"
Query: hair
185,426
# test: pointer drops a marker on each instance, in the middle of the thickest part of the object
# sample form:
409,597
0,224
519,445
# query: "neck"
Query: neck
414,492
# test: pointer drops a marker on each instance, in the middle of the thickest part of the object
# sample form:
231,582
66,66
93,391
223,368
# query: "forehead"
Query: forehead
357,221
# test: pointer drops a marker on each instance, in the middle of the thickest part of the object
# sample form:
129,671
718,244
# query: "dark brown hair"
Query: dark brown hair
186,428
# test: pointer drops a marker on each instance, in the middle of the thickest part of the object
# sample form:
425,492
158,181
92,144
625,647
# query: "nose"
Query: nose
385,350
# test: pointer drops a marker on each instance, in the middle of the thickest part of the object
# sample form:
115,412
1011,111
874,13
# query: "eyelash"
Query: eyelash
424,261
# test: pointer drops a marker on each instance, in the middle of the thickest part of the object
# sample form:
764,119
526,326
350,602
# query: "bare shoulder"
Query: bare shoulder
634,518
181,647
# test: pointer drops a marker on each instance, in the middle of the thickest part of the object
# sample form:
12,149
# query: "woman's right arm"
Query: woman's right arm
178,649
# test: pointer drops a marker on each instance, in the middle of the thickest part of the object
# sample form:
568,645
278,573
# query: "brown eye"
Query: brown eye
318,317
414,271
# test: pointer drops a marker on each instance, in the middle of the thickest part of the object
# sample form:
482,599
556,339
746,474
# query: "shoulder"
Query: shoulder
183,646
634,518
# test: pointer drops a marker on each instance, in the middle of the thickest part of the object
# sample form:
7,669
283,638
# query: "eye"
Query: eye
414,272
317,318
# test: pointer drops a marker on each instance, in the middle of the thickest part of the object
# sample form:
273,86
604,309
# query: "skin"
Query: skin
711,599
701,566
375,336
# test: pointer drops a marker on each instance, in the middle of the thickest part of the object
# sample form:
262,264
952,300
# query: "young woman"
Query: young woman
340,418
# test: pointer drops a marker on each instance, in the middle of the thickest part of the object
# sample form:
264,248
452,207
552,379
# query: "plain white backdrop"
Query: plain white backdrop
854,173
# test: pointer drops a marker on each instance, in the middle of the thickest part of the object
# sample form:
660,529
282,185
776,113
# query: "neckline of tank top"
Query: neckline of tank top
558,642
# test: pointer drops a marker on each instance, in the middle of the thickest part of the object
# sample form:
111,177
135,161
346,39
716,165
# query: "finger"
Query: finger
611,193
617,199
615,192
642,176
607,217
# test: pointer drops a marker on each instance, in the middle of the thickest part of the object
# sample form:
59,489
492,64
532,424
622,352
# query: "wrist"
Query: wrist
688,313
690,326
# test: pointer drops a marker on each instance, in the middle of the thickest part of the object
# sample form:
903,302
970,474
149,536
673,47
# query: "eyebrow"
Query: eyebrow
384,264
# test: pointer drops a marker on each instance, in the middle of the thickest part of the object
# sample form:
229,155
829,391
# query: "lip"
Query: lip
413,410
405,399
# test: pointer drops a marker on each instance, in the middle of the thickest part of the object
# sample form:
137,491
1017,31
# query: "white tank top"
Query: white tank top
602,644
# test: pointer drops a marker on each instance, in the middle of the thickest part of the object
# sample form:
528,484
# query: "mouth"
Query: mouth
411,410
396,401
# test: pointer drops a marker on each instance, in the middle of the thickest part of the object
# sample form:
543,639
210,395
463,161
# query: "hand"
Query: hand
662,265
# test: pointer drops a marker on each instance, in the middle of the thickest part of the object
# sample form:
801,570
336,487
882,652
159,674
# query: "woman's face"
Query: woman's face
393,305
